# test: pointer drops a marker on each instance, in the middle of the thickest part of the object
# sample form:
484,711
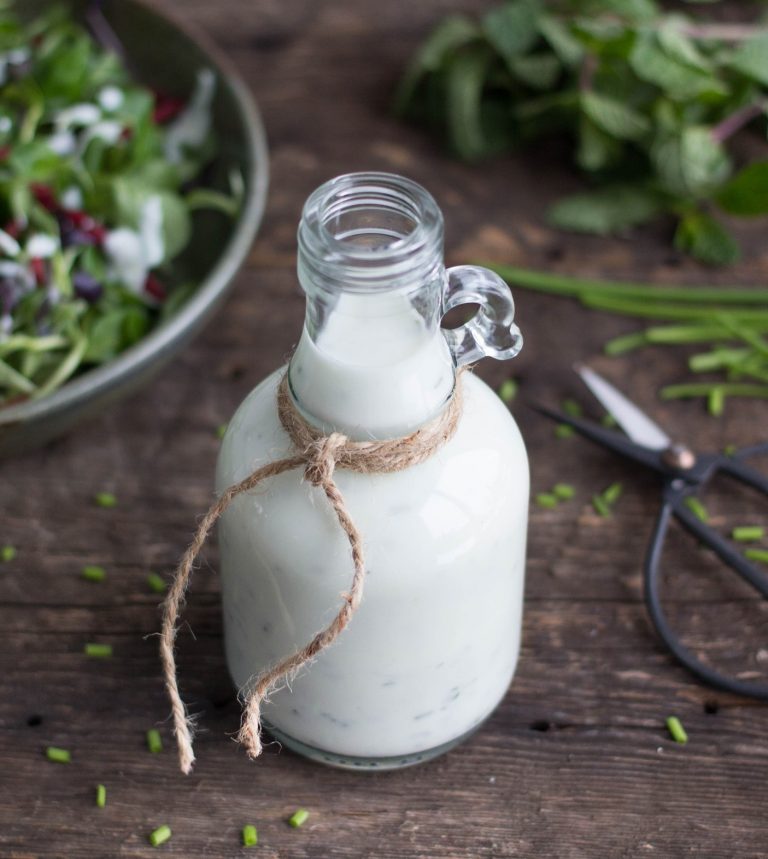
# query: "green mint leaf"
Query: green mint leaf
651,63
751,59
512,28
451,34
561,40
679,46
691,164
596,148
615,118
464,81
539,71
607,210
706,239
747,191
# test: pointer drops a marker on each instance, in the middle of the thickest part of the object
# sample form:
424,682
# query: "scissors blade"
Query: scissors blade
635,423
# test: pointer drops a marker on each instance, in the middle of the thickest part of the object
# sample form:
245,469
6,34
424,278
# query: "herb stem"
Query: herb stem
704,389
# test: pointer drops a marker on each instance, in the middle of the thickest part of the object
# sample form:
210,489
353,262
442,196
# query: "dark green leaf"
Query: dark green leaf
691,164
464,80
596,148
706,239
452,33
607,210
615,118
512,28
539,71
561,40
751,59
679,80
747,192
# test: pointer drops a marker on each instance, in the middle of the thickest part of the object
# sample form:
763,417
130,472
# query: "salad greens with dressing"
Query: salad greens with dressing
97,187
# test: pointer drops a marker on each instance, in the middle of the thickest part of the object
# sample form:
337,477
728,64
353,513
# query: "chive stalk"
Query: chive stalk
7,554
101,796
508,390
747,533
547,500
716,401
563,491
757,555
564,431
697,508
156,583
250,836
58,755
98,651
612,494
298,818
160,835
105,499
676,730
704,389
154,741
598,502
93,573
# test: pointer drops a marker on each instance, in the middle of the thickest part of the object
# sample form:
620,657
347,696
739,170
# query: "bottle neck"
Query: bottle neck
372,361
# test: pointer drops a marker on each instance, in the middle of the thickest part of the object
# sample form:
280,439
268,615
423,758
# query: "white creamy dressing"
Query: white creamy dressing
375,368
111,98
433,647
193,124
133,253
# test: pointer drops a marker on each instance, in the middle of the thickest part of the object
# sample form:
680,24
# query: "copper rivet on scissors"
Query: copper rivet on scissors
679,456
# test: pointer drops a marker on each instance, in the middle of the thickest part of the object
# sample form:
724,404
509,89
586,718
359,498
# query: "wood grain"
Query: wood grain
576,762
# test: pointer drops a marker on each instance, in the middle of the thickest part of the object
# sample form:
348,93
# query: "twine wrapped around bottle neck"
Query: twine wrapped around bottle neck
319,455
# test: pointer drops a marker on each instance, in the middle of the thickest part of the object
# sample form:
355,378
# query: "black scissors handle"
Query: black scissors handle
674,505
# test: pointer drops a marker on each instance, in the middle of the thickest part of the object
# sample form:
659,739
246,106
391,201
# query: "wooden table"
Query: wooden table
576,762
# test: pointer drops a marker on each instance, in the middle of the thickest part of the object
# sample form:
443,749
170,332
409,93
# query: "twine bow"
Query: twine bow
319,456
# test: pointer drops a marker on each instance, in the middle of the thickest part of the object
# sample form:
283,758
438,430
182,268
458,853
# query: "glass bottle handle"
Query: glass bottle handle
491,332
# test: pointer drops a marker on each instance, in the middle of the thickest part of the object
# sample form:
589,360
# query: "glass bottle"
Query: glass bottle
433,647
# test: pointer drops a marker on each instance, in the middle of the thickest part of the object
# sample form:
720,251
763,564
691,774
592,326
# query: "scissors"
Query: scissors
684,474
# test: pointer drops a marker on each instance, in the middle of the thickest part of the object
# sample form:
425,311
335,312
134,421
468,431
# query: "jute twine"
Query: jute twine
319,456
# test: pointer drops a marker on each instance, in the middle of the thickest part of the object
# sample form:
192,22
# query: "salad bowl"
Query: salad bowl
167,57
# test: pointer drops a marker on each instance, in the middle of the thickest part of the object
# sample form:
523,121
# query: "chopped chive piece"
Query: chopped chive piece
572,408
154,741
564,431
156,583
676,730
250,836
508,390
612,494
748,532
7,554
598,502
160,835
563,491
697,508
57,755
756,555
105,499
221,430
298,818
99,651
730,449
93,573
101,796
608,420
716,402
546,499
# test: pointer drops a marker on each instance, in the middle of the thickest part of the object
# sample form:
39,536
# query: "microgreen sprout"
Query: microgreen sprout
57,755
298,818
101,796
612,494
676,730
105,499
598,502
564,431
250,836
160,835
93,573
7,554
547,500
563,491
154,741
98,651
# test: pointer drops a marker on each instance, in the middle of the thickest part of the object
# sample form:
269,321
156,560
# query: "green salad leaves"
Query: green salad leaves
97,187
648,103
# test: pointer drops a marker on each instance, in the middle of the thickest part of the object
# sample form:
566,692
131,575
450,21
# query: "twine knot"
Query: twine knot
319,456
